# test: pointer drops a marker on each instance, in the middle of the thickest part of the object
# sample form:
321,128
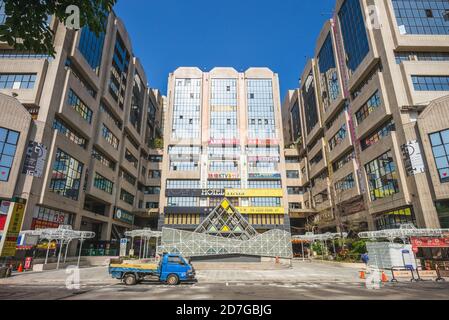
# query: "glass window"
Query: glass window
17,80
119,72
105,109
110,137
296,122
136,110
330,87
126,197
383,132
338,138
394,219
187,109
103,184
292,174
128,177
346,183
440,147
83,110
105,160
62,127
224,184
91,47
223,109
265,184
370,106
354,35
422,17
183,201
261,117
343,160
310,103
265,202
431,83
382,177
66,175
8,146
183,184
421,56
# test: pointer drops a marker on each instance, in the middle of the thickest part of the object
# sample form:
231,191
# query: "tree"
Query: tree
26,25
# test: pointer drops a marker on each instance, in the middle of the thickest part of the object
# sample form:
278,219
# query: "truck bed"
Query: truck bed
144,267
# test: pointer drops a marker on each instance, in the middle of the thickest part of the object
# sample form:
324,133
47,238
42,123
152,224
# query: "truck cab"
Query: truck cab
172,269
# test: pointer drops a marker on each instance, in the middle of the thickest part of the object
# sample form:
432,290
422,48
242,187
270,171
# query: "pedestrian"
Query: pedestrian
365,258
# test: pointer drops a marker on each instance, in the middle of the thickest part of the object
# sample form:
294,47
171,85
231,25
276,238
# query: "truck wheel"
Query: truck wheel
130,280
172,280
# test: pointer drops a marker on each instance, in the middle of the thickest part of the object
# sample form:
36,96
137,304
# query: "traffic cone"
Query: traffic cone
384,277
362,275
20,268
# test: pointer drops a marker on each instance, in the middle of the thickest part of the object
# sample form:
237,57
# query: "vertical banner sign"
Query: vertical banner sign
35,159
123,244
8,244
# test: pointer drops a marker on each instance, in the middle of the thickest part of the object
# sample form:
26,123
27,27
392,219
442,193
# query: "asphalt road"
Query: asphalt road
310,281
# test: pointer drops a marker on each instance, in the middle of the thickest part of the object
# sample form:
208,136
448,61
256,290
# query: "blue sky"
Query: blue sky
279,34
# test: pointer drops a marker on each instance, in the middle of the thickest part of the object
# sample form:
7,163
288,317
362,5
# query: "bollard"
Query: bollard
384,277
362,275
20,268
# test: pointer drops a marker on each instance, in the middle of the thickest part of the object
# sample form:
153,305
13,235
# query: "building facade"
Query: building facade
355,119
81,132
223,139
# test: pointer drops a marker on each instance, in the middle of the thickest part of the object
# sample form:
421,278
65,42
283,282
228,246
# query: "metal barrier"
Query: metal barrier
395,273
420,273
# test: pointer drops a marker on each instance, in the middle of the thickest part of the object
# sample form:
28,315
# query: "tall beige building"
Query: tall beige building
223,139
79,134
373,147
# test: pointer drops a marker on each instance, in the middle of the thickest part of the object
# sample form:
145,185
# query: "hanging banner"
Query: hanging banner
35,158
8,243
260,210
250,193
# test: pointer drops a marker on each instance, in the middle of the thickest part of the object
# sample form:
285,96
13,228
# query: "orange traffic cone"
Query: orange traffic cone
384,277
20,268
362,275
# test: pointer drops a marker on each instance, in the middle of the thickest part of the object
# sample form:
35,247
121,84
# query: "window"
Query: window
135,117
317,159
187,110
91,47
346,183
343,160
292,174
8,147
184,166
264,184
109,137
2,12
296,122
330,87
119,72
80,106
354,33
431,83
154,174
338,138
82,80
14,54
223,109
440,147
103,184
384,131
394,219
66,176
421,56
291,160
224,184
310,103
295,205
422,17
295,190
105,109
261,109
183,202
183,184
265,202
370,106
17,81
382,177
131,158
68,132
100,156
128,177
152,190
126,197
152,205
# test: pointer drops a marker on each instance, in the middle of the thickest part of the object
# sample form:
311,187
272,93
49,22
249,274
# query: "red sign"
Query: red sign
429,243
2,221
28,262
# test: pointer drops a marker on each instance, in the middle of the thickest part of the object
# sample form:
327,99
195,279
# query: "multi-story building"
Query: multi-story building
223,139
377,66
80,132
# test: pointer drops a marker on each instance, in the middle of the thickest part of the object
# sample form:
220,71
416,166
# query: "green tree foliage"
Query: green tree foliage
26,26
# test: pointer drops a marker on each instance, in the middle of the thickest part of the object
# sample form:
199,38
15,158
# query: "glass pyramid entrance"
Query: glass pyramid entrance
226,232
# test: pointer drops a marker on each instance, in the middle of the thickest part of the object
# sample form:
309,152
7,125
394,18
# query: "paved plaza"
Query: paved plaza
304,280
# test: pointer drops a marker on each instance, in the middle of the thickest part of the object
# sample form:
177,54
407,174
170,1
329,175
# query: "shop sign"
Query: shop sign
8,243
229,175
123,245
250,193
430,242
265,176
261,210
35,158
195,192
413,159
124,216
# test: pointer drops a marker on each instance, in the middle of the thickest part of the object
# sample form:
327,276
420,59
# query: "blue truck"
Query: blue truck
172,269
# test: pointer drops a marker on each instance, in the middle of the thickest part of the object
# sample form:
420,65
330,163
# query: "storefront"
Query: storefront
433,253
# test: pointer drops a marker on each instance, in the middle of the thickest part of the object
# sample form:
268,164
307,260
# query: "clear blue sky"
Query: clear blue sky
279,34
